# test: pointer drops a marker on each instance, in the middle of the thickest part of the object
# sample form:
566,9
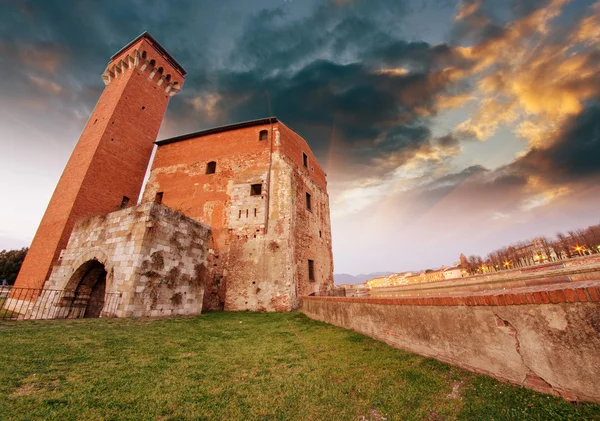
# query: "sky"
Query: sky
444,126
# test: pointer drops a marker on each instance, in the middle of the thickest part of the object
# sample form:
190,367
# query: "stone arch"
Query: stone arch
88,297
93,254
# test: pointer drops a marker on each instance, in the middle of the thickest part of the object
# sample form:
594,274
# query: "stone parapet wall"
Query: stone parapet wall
546,339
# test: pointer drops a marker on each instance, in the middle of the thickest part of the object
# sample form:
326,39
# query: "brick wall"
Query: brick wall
544,338
261,242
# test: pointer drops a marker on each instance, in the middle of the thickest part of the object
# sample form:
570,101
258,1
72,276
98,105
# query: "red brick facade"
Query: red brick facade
263,241
112,154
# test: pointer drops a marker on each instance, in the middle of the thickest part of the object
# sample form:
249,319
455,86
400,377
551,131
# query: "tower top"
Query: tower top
158,48
145,53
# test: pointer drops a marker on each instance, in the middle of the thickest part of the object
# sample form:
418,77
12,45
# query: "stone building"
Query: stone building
234,217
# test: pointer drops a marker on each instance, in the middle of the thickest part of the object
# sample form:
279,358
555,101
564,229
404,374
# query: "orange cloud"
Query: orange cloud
46,58
524,75
46,85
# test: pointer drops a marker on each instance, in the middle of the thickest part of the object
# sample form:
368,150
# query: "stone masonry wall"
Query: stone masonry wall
155,259
545,339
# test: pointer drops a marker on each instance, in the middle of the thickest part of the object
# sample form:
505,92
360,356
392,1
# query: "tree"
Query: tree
547,247
10,263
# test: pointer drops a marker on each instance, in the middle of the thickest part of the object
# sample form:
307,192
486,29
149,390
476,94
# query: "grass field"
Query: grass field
241,366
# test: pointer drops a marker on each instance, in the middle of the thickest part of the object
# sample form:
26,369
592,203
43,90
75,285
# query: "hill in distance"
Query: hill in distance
344,278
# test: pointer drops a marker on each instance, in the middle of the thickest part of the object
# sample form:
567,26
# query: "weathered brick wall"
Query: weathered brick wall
155,259
261,242
546,339
251,265
111,156
311,229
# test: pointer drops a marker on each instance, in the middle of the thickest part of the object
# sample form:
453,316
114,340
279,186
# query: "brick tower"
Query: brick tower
107,166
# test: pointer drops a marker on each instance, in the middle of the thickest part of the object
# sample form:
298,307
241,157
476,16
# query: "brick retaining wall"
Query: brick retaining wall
546,338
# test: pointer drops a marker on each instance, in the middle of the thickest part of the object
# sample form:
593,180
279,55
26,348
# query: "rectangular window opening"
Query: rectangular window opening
311,270
305,160
246,213
240,214
255,212
320,234
124,202
308,202
255,189
159,197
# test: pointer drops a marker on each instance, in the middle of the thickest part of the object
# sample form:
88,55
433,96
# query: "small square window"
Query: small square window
305,160
308,202
255,189
211,167
124,202
159,197
263,135
311,270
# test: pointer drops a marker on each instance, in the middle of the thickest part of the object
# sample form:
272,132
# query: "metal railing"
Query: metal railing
48,304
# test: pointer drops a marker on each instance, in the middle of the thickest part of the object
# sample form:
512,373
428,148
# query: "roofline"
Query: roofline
220,129
156,45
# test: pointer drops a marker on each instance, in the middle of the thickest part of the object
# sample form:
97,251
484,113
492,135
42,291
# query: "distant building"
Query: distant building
453,272
388,280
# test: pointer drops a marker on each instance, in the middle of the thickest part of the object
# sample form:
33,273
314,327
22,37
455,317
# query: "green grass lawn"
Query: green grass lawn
241,366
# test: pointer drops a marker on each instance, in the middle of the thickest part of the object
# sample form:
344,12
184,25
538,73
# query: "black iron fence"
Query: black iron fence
46,304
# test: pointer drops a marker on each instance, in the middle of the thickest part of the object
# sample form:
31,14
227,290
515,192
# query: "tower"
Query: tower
107,166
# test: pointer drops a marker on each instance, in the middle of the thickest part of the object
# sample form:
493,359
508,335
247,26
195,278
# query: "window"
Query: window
304,160
211,167
263,135
311,270
255,189
320,235
308,202
158,198
124,202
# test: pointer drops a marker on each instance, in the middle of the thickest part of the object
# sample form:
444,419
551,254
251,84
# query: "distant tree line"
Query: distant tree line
577,243
10,263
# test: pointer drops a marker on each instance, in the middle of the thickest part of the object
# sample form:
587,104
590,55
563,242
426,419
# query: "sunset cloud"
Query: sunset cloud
480,126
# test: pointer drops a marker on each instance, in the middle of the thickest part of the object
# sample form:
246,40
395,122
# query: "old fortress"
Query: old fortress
234,217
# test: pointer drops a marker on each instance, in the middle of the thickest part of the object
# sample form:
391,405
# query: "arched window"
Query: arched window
263,135
152,63
144,55
211,167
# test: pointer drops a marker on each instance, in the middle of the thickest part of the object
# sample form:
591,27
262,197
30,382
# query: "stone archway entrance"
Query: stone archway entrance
88,286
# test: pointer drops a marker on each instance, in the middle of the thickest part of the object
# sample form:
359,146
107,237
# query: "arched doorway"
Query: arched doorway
87,287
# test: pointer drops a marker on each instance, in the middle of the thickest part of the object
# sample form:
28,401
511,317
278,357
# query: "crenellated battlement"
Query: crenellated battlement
146,64
146,54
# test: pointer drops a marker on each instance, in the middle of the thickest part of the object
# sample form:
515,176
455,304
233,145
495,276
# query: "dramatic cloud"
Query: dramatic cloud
479,129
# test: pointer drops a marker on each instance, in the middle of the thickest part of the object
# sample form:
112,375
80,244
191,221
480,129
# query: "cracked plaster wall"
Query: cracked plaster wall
552,348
